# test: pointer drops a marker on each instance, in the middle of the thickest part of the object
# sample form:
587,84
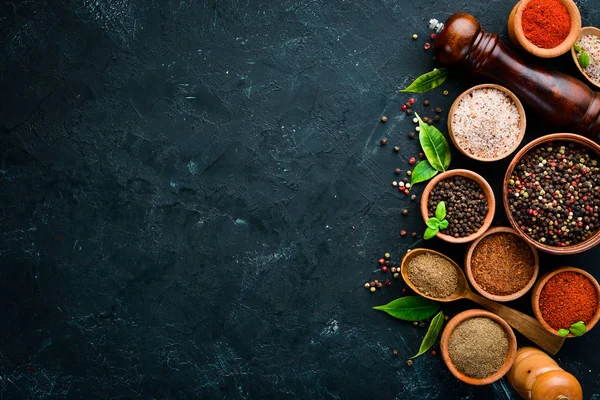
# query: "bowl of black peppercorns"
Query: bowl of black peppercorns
469,202
551,193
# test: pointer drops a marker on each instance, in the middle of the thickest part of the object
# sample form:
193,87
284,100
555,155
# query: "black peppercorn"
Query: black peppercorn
397,171
411,135
396,148
383,141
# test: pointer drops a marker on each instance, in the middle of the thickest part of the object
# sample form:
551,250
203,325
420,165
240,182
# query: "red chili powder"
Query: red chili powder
568,298
546,23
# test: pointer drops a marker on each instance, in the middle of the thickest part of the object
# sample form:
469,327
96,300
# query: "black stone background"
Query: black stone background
193,196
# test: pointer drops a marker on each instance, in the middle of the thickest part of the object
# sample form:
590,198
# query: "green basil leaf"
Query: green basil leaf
577,328
432,334
433,223
577,48
444,224
428,81
434,146
429,233
563,332
410,308
440,210
422,172
584,59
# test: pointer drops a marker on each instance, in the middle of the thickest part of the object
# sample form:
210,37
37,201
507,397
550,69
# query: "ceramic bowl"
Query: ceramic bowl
478,288
487,191
512,346
588,30
522,123
563,137
515,31
537,291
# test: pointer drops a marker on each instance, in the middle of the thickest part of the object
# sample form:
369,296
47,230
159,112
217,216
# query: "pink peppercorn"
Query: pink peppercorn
384,269
412,160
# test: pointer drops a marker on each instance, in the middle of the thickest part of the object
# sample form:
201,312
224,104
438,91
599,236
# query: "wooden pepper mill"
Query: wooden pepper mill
559,98
536,376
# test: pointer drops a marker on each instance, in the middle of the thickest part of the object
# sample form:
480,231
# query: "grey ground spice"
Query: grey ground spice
433,275
478,347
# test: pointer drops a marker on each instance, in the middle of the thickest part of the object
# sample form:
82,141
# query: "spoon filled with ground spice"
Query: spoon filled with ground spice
436,277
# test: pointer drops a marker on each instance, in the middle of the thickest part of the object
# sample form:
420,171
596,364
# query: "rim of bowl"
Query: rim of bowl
487,191
554,137
559,50
475,284
522,121
475,313
537,291
585,31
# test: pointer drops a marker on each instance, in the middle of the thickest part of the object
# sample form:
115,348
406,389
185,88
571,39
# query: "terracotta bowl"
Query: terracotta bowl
487,191
515,31
563,137
512,346
480,290
522,123
537,291
588,30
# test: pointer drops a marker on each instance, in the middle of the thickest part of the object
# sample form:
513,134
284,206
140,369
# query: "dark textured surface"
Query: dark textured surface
193,195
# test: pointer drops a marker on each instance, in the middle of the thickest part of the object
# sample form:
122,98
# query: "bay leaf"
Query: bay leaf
432,334
435,146
422,172
428,81
410,308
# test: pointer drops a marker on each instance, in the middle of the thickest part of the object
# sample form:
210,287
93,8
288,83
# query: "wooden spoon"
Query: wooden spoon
528,326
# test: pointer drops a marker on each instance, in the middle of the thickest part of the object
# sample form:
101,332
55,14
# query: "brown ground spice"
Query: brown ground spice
433,275
478,347
502,264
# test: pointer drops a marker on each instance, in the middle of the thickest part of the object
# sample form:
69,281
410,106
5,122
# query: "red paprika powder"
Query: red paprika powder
546,23
567,298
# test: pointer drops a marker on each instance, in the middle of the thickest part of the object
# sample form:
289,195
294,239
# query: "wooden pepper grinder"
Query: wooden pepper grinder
558,98
535,376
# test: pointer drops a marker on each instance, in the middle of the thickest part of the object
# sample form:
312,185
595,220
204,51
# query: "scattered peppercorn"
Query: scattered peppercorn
416,323
438,110
433,352
384,269
411,101
446,318
421,155
445,93
403,290
384,119
397,171
396,148
409,111
402,233
432,36
409,172
381,261
426,102
415,36
393,270
394,183
436,118
404,107
405,212
411,135
387,256
395,353
388,283
427,46
414,234
379,285
376,282
383,141
422,324
387,262
413,197
426,120
396,275
409,363
367,285
372,283
372,289
418,129
412,161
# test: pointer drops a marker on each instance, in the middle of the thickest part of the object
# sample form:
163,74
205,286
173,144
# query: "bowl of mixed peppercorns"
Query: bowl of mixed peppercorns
551,193
469,202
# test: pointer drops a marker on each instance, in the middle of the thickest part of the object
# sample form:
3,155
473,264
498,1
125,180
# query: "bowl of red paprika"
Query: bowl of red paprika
567,300
544,28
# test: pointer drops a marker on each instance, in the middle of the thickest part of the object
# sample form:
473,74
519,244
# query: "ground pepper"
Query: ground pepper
567,298
546,23
502,264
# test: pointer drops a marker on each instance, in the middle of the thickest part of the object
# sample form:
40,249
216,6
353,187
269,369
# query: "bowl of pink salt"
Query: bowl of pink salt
487,122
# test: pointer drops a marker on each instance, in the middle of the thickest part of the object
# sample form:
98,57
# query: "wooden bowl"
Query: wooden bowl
480,290
515,31
487,191
512,346
537,291
588,30
564,137
522,123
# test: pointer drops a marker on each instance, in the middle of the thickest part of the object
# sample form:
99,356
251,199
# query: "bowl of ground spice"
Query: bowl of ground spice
501,265
544,28
565,297
478,347
551,193
586,54
469,200
487,122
